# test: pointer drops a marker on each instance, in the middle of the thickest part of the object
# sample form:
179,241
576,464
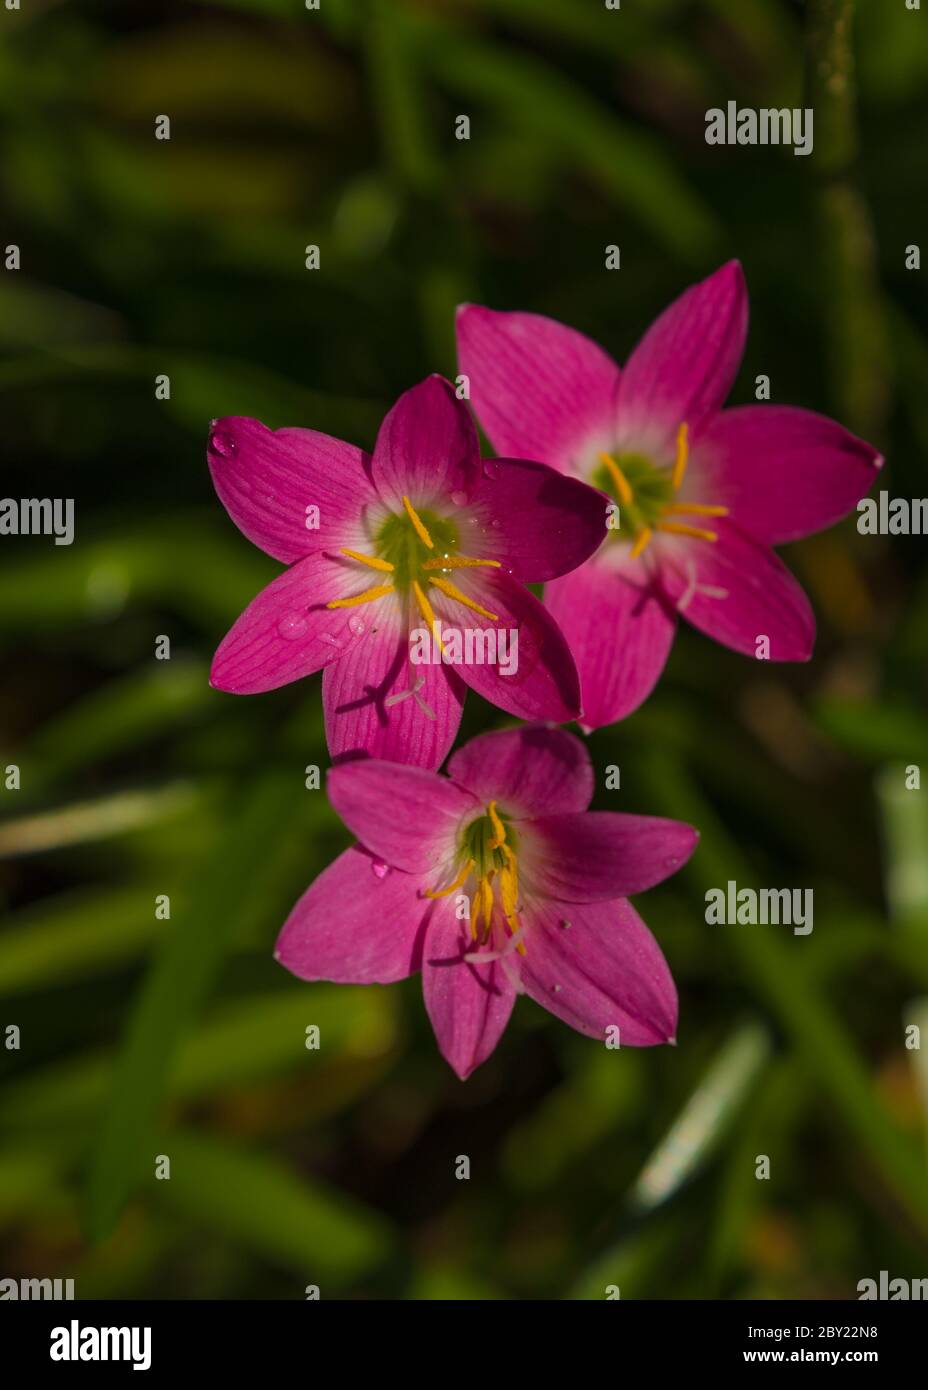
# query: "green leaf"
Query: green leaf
85,821
244,1042
118,716
628,165
705,1118
796,1002
75,936
178,982
904,814
407,132
257,1202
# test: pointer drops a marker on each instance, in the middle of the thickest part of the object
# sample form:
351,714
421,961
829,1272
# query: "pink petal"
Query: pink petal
540,390
686,363
267,479
469,1005
783,472
408,816
355,925
427,448
591,856
370,707
530,771
287,631
535,521
545,684
737,591
603,971
619,627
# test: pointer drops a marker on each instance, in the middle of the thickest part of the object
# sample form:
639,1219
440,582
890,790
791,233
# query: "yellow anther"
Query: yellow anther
694,509
677,528
683,453
641,541
416,520
425,608
456,562
486,900
499,830
509,888
374,561
622,485
367,597
428,612
446,892
454,592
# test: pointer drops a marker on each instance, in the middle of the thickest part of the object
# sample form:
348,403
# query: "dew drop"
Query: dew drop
491,469
564,923
222,443
379,869
292,626
356,625
459,498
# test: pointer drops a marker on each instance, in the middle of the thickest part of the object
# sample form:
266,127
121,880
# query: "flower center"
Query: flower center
646,492
488,852
408,542
417,551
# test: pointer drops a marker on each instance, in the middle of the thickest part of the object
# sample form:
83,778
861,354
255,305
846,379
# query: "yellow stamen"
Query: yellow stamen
676,528
694,509
477,909
499,830
641,541
421,532
446,892
427,611
683,453
485,889
367,597
454,592
510,895
425,608
456,562
509,892
622,486
372,560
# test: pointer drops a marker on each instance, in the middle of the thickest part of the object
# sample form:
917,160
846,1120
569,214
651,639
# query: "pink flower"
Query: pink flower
381,547
546,882
701,493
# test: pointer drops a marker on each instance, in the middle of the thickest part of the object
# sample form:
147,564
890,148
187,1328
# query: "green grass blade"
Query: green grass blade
176,985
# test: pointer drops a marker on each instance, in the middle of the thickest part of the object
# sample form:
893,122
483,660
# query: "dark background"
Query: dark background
183,1038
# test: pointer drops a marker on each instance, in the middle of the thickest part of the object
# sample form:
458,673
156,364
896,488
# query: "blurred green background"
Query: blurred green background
143,1037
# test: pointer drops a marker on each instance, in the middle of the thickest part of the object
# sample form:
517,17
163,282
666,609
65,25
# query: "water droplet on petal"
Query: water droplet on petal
495,523
379,869
222,443
356,625
459,498
292,626
491,469
327,637
564,923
